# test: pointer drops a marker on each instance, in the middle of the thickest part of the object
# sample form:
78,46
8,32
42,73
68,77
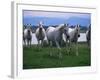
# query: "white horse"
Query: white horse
74,34
40,33
27,35
88,35
55,35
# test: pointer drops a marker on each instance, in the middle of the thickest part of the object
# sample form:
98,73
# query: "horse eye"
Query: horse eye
65,30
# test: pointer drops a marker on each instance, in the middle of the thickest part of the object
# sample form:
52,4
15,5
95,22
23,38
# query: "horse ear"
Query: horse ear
78,25
89,25
64,24
38,24
41,23
67,25
30,26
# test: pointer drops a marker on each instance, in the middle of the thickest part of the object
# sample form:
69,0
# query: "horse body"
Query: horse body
27,36
40,33
49,33
55,35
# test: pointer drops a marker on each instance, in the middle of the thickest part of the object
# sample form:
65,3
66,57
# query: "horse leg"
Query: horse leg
30,43
70,47
24,41
38,43
87,42
57,44
42,43
77,49
62,43
27,42
59,49
67,46
50,42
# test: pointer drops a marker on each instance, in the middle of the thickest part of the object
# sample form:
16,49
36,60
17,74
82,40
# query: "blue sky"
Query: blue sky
55,18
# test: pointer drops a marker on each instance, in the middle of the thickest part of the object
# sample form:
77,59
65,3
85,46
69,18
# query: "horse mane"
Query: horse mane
61,26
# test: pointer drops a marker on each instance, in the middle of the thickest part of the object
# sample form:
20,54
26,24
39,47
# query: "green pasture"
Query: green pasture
39,57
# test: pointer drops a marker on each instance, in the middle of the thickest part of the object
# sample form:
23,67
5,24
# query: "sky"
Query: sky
55,18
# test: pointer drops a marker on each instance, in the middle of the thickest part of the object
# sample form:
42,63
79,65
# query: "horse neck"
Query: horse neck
89,33
58,27
89,30
75,34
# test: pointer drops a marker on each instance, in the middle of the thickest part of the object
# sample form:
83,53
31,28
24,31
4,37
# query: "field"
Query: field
34,57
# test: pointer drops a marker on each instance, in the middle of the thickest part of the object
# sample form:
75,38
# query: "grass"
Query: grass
35,57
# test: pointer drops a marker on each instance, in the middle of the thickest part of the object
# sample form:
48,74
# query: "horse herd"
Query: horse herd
56,35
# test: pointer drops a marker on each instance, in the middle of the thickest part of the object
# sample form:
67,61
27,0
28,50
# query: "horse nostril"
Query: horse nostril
78,35
67,36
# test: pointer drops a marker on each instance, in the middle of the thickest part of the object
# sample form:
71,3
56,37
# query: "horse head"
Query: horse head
61,27
40,26
66,29
77,30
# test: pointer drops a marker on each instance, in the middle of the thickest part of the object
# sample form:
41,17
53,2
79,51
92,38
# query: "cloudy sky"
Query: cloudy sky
55,18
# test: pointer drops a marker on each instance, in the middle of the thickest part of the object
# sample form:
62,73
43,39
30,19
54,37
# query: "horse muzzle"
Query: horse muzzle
40,28
68,36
